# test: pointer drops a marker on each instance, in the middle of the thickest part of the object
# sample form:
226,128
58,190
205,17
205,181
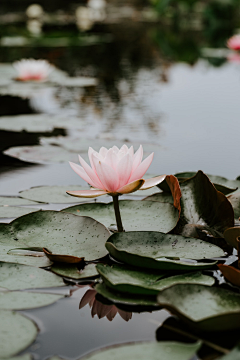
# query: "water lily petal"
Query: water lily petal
91,151
111,159
111,315
103,151
107,175
131,151
86,193
87,297
142,168
124,169
82,173
125,315
131,187
89,171
152,182
137,158
100,309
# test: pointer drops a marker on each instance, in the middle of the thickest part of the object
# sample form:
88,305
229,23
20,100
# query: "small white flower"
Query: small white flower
31,69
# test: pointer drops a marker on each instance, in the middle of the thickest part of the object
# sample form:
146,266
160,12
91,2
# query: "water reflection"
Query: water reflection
100,309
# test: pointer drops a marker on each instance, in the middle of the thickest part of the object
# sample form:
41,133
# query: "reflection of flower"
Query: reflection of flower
234,42
30,69
234,58
100,309
114,171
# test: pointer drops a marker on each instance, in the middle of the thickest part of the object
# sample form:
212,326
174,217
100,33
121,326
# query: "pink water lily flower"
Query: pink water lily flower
114,172
30,69
234,42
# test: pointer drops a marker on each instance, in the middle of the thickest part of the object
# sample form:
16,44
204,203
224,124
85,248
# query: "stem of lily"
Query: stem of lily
117,213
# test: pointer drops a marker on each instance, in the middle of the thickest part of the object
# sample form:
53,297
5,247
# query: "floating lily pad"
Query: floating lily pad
16,333
10,252
21,300
221,183
19,277
203,205
231,234
38,123
140,215
14,211
146,350
53,194
16,201
60,233
164,197
42,154
204,307
235,201
156,250
126,299
71,271
233,355
136,281
21,357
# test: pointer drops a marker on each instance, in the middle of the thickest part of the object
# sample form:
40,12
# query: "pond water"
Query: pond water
149,91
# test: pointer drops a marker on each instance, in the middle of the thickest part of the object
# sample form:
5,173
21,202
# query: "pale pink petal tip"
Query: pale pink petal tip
87,193
149,183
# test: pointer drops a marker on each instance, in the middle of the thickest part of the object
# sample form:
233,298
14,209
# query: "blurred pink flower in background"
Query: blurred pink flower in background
102,310
234,42
114,172
30,69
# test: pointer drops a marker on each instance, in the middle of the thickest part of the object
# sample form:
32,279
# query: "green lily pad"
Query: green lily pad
221,183
164,197
207,308
21,357
19,277
156,250
71,271
233,355
146,350
16,201
38,123
9,251
235,201
136,281
203,205
140,215
21,300
14,211
16,333
60,233
126,299
53,194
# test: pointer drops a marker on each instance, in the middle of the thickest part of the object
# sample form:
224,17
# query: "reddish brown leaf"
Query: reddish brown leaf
62,258
230,273
173,184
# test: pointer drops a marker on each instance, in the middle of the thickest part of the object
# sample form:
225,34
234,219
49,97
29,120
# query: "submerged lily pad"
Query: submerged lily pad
203,205
136,281
71,271
235,201
204,307
156,250
60,233
19,277
141,215
146,350
21,300
16,333
164,197
14,211
233,355
53,194
126,299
